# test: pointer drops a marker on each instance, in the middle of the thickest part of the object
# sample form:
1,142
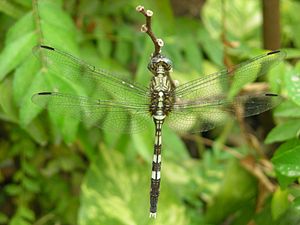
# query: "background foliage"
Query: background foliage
54,170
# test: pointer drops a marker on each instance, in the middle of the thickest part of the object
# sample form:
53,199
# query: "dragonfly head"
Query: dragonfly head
158,63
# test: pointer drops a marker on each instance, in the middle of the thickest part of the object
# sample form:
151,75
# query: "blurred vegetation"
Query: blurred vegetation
54,170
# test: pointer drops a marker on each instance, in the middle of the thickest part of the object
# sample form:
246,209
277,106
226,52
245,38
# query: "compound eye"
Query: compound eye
151,66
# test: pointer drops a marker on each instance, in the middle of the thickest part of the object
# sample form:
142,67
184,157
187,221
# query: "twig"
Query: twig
37,20
250,164
147,28
209,142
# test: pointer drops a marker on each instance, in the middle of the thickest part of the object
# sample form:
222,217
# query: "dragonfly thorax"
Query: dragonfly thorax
162,95
159,64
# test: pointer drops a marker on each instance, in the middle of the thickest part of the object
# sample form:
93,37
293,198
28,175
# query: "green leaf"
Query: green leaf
284,132
173,146
25,3
212,47
23,216
15,52
188,44
286,159
193,54
13,189
143,76
3,218
296,203
30,184
23,26
276,76
18,44
292,80
104,44
143,144
38,132
280,203
29,110
283,180
10,9
29,168
247,21
55,24
287,109
23,79
230,198
6,100
123,46
290,20
116,191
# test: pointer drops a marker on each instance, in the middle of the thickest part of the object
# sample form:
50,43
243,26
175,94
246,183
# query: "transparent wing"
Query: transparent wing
97,83
231,80
114,115
205,113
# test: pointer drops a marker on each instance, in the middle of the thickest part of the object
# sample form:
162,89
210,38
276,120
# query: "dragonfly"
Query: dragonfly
116,104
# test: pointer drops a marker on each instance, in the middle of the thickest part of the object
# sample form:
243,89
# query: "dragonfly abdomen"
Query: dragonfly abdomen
156,167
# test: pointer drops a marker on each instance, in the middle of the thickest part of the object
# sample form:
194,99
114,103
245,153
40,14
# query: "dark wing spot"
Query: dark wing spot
47,47
270,94
45,93
273,52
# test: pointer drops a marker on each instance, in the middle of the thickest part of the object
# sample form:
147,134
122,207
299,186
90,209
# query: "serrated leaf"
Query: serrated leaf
284,132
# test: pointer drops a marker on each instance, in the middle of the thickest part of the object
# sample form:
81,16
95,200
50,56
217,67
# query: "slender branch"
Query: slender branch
255,168
147,28
271,24
37,20
209,142
39,32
